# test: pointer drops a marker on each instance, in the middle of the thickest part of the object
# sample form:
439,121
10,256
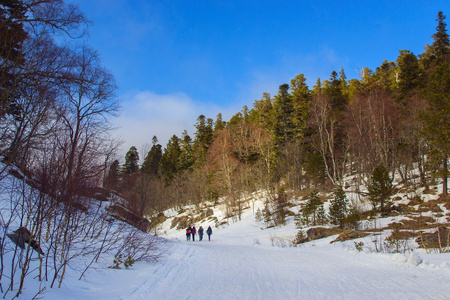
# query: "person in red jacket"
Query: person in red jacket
188,233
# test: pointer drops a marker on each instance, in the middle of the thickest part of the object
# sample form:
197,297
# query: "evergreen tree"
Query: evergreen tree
112,179
439,50
153,158
436,119
334,90
131,164
284,129
338,208
301,96
437,92
408,73
219,124
312,206
281,204
187,156
203,138
12,37
385,76
441,43
380,186
170,160
262,113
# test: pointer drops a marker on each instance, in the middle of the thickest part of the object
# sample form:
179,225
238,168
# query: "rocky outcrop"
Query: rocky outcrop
22,236
438,239
125,215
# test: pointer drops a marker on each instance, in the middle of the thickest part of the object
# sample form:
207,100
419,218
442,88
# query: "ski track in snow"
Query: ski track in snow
212,270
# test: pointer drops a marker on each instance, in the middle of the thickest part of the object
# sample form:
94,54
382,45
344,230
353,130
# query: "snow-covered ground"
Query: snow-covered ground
240,262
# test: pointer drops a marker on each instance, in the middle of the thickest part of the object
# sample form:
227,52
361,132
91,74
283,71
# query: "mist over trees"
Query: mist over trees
395,117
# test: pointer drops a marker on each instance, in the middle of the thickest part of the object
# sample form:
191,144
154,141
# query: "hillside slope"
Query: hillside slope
241,263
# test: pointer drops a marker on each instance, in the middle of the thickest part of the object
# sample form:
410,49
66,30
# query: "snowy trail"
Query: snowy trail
214,270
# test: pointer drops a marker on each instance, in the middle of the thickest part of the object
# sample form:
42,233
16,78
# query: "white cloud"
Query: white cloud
146,114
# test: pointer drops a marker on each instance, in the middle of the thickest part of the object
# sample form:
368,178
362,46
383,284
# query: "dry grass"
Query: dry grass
417,223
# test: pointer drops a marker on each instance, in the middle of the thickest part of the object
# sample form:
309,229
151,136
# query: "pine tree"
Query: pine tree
281,204
380,187
301,96
284,127
131,164
312,207
112,179
408,74
338,208
12,38
219,124
153,158
436,119
263,113
439,51
187,155
170,160
441,43
203,138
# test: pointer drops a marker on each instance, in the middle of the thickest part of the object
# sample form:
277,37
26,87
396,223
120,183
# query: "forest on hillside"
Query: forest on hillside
394,119
57,101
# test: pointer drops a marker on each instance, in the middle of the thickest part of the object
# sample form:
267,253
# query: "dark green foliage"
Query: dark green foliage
131,164
353,217
312,209
380,186
385,76
284,129
153,158
439,51
301,96
170,160
281,205
219,124
112,179
263,112
436,118
203,138
441,42
409,74
12,38
338,208
334,90
187,154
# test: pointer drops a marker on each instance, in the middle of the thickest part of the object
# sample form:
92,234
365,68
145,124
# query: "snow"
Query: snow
241,263
244,260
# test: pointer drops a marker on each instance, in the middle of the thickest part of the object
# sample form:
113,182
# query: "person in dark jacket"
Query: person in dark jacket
200,233
194,231
209,232
188,233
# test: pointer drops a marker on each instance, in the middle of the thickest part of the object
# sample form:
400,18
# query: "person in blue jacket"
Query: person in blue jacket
200,233
209,232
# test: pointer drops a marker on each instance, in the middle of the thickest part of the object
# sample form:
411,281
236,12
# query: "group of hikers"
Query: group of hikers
192,231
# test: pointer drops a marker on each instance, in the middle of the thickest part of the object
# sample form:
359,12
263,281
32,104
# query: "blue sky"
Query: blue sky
174,60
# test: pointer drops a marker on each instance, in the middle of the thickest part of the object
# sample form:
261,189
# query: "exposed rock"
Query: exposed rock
315,233
209,212
22,236
123,214
438,239
349,235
